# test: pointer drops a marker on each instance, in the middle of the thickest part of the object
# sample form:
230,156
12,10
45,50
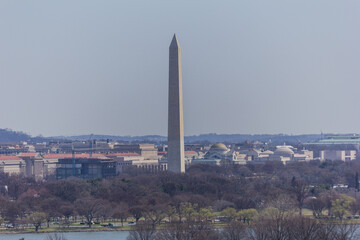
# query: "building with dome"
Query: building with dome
256,156
219,154
287,153
283,154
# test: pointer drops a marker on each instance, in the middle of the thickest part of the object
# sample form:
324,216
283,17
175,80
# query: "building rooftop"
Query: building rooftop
165,152
69,155
336,141
122,154
28,154
9,157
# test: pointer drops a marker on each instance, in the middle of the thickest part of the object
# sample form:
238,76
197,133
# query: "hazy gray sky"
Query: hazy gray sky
77,67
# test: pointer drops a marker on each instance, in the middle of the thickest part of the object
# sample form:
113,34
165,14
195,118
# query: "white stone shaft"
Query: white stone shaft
176,153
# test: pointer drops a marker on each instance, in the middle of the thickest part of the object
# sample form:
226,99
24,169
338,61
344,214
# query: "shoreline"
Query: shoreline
114,229
64,231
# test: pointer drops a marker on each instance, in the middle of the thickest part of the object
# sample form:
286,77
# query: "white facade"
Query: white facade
343,155
12,165
219,154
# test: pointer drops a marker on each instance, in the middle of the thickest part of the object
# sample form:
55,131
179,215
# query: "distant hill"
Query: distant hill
206,138
239,138
146,138
8,135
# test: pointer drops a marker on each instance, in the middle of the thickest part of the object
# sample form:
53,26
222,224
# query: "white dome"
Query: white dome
219,146
284,151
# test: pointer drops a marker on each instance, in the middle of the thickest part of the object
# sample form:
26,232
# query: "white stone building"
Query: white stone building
219,154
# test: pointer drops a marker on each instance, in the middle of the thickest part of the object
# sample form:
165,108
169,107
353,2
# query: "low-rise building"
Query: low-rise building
342,147
34,164
256,155
219,154
12,164
148,151
288,153
342,155
124,161
86,168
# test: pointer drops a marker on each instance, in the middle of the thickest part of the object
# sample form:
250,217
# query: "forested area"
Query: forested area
261,196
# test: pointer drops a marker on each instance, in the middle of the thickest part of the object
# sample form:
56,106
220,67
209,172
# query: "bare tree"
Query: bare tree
346,231
300,228
300,189
105,211
317,206
121,212
137,212
188,231
328,197
234,231
266,228
142,231
36,219
55,236
155,214
338,231
280,208
88,207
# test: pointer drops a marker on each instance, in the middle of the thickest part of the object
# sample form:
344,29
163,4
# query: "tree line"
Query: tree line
204,194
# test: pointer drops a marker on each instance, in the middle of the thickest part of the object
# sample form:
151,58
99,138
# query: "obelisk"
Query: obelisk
175,121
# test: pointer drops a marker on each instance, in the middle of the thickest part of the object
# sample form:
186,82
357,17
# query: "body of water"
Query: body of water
118,235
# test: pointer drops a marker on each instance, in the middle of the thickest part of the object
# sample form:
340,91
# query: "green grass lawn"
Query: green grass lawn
307,212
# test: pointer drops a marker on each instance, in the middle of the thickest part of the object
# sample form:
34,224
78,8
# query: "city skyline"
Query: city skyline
250,68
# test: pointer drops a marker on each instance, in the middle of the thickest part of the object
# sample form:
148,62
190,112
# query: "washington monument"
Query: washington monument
175,121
